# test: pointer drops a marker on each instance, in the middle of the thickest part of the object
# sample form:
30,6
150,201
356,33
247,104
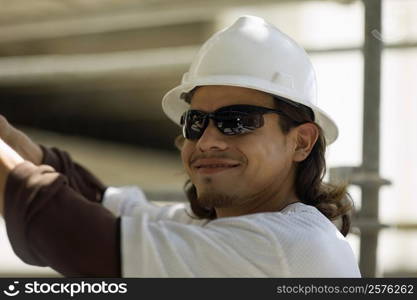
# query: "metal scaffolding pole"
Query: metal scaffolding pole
370,147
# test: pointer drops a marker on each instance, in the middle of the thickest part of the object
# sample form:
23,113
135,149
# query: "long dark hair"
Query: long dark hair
332,200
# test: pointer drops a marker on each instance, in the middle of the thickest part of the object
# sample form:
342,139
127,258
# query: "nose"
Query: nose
212,139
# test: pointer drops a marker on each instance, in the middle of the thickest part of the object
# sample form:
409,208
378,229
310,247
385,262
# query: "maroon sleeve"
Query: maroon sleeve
49,224
79,178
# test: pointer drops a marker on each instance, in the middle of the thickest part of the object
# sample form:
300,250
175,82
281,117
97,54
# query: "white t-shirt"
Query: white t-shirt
165,241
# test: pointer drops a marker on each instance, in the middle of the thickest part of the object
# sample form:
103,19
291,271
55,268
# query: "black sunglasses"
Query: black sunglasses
229,120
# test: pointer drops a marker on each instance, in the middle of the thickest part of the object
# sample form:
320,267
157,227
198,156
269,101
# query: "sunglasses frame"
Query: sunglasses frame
239,108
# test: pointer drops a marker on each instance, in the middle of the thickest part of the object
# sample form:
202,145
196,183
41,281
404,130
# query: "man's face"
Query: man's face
240,170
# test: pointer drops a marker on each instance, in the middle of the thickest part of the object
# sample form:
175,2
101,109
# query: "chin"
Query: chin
212,197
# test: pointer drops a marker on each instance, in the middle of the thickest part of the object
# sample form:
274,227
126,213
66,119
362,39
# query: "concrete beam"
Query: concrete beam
71,68
143,15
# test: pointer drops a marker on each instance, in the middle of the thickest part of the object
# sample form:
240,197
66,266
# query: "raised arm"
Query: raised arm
79,178
50,224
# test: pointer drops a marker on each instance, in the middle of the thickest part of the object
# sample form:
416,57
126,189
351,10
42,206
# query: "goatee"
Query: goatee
211,200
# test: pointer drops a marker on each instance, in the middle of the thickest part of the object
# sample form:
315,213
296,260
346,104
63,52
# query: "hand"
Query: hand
9,159
20,142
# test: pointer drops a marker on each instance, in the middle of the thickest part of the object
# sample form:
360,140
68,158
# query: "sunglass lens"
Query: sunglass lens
232,123
194,122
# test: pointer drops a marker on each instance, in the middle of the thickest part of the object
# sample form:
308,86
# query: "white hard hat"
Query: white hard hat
252,53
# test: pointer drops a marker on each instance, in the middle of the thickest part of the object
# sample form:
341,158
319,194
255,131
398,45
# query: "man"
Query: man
253,146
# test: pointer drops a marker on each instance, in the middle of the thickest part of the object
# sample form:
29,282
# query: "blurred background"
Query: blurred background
88,76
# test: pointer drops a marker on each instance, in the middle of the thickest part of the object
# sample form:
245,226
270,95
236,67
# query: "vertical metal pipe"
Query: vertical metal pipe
372,52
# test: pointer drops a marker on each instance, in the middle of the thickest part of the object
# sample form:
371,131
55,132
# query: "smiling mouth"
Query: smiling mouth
214,168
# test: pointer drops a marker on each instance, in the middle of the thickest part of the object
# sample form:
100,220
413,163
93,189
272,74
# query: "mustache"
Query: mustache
215,155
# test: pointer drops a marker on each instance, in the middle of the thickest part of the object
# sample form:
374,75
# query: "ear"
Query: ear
306,136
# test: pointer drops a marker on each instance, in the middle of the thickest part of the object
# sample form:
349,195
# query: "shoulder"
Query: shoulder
131,201
311,243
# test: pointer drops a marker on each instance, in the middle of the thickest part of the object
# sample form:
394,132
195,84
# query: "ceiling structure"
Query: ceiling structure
100,68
